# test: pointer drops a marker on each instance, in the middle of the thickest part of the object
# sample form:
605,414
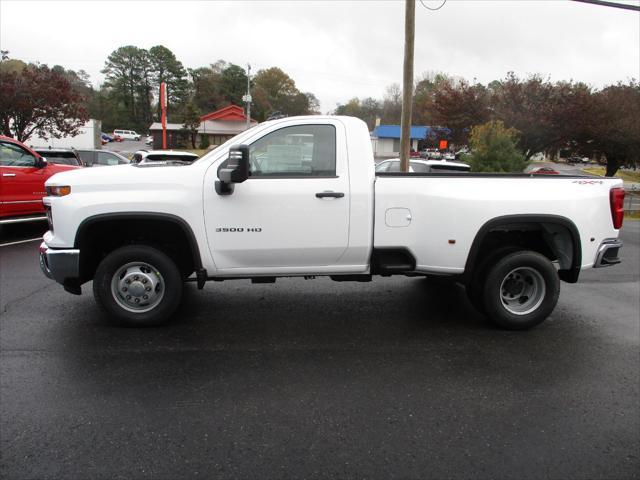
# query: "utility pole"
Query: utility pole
163,118
407,83
247,97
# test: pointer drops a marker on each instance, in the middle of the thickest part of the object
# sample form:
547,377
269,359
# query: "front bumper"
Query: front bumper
61,265
608,253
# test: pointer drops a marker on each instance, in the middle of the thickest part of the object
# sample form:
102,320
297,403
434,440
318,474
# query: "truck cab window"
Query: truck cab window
304,150
13,156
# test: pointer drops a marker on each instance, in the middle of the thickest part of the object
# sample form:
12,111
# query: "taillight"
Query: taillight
616,200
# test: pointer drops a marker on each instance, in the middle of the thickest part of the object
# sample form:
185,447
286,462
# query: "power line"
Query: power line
603,3
433,9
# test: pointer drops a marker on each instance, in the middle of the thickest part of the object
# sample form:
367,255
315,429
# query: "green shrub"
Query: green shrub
204,142
493,149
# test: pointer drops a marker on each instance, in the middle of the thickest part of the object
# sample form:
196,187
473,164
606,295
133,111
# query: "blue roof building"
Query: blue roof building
385,139
393,131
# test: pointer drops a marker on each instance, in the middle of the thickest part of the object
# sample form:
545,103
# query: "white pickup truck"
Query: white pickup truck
298,197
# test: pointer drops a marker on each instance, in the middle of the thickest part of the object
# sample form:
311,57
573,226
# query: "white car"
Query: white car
299,197
149,140
431,154
152,156
127,134
423,166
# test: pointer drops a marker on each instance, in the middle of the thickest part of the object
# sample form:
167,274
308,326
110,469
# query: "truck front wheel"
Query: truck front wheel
521,290
138,285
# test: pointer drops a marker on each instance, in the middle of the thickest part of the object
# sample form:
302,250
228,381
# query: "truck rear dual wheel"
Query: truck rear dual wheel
138,286
520,290
475,288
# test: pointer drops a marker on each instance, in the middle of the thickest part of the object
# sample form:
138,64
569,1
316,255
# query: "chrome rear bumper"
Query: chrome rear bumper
608,252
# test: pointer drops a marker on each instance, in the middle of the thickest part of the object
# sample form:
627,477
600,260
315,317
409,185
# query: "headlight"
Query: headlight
58,191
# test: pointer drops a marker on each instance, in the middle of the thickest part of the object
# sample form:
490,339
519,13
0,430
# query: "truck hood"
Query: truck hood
53,168
118,177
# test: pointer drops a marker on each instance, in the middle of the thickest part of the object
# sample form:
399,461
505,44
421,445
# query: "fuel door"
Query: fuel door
398,217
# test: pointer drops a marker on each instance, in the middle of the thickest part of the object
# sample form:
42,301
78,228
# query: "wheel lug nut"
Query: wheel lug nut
127,281
144,280
136,277
124,289
137,300
128,297
148,289
145,297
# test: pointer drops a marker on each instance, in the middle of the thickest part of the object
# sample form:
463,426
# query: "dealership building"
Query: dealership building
218,127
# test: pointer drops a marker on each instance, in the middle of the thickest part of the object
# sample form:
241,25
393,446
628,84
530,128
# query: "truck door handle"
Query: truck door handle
8,174
329,194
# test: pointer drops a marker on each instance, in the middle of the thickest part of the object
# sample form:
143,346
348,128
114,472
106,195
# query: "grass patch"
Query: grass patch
624,175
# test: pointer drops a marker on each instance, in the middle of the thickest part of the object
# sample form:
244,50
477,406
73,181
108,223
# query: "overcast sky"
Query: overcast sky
337,49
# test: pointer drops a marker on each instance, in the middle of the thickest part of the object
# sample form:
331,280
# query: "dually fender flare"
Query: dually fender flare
570,275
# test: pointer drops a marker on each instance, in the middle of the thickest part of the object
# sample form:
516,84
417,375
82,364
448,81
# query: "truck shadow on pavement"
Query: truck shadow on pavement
305,315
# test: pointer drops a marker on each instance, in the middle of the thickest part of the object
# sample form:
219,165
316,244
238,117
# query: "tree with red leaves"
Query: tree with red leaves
459,106
615,133
547,116
38,100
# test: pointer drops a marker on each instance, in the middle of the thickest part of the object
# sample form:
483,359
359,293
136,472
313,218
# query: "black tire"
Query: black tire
475,288
521,290
154,283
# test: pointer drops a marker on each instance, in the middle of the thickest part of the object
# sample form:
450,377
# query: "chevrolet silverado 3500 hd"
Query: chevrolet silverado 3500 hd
299,197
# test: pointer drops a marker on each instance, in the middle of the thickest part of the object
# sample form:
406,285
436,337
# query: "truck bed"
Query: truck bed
437,215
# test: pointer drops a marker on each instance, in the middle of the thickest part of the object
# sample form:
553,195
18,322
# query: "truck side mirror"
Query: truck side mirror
41,162
236,170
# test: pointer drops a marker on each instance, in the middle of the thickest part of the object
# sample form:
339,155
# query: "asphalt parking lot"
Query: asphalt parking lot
393,379
127,147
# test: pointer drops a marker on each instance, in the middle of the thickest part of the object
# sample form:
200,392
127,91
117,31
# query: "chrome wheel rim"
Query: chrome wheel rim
522,290
137,287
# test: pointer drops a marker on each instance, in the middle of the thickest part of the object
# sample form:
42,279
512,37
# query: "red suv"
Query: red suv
22,176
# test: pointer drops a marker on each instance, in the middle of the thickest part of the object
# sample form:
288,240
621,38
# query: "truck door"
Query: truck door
293,211
21,182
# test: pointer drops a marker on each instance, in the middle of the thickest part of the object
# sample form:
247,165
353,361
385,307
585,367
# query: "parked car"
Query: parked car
126,134
510,239
572,160
139,155
460,153
423,166
167,156
148,140
544,171
101,158
431,154
106,138
276,115
61,156
23,173
449,156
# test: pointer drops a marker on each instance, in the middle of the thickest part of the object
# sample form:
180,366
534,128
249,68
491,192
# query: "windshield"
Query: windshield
419,167
450,168
159,157
61,158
